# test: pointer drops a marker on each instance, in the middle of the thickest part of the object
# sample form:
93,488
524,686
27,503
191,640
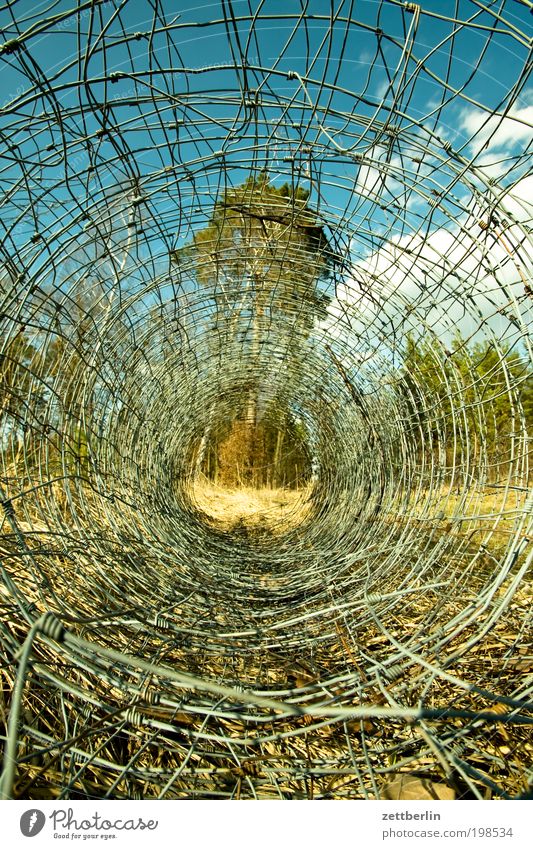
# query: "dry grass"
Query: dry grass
293,757
482,515
275,510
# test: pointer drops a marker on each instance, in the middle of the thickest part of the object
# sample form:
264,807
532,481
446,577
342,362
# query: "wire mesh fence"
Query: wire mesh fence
266,399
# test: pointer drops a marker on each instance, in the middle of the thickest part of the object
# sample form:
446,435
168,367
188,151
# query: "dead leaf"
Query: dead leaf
407,786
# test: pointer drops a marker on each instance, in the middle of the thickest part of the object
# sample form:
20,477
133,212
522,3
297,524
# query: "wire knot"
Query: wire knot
51,627
11,46
133,717
7,507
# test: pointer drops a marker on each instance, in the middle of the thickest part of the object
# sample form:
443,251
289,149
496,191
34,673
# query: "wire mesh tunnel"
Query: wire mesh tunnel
266,399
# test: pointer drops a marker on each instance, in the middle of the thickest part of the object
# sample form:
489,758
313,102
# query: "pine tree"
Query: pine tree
482,392
264,255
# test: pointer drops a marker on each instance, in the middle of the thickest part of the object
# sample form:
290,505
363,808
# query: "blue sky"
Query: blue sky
359,114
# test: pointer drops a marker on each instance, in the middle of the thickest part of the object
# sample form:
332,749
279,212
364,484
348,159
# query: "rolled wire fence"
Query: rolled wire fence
372,640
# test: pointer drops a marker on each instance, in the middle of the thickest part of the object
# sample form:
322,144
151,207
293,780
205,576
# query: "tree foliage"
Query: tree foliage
266,259
468,403
264,252
279,457
15,375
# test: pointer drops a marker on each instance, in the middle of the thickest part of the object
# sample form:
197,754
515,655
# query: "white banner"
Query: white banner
267,825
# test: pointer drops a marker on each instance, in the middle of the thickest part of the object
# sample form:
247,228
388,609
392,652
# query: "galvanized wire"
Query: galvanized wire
386,627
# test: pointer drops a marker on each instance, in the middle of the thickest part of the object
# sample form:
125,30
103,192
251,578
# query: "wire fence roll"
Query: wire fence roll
266,399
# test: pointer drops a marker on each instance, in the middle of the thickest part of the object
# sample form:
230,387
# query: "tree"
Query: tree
266,258
16,358
504,388
483,392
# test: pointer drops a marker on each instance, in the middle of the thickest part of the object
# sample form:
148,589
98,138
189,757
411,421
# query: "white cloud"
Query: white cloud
371,181
456,278
378,182
382,89
518,202
494,132
492,164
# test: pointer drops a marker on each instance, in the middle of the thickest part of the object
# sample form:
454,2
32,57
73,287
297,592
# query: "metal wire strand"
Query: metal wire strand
352,610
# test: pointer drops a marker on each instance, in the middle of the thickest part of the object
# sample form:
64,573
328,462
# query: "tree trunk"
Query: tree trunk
277,457
200,454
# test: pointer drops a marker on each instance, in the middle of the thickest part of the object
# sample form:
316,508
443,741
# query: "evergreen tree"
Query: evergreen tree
264,255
